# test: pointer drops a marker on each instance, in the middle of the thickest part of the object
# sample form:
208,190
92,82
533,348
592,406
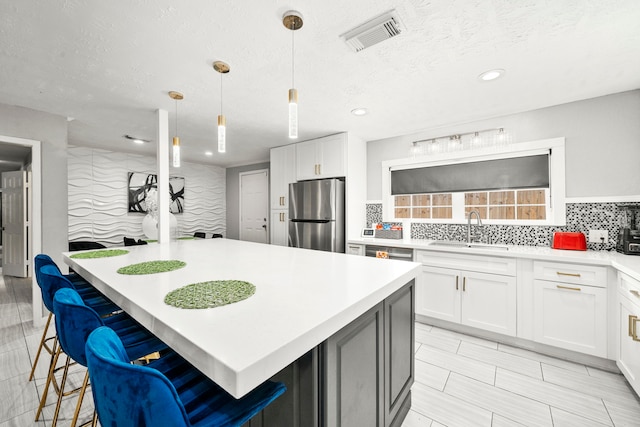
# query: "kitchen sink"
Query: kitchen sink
451,244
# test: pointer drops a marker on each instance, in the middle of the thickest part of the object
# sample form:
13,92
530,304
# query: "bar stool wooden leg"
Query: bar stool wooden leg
42,344
52,368
80,399
61,394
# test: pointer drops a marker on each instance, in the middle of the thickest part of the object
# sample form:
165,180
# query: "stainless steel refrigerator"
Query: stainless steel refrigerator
316,215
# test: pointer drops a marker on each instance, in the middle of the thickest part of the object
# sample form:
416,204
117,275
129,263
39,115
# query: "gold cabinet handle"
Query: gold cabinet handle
569,288
560,273
464,284
634,293
319,169
632,327
456,283
281,200
281,216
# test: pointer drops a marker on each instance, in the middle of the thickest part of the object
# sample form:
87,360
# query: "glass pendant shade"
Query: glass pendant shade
293,113
176,96
176,152
222,134
222,68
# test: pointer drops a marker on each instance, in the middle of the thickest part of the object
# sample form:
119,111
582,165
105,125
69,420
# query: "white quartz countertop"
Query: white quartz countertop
628,264
302,297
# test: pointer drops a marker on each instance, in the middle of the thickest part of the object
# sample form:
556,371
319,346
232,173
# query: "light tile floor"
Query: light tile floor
467,381
460,380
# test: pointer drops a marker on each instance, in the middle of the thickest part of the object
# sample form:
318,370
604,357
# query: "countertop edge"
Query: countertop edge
628,264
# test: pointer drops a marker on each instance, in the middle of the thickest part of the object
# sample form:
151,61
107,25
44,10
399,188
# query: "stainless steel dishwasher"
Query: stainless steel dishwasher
390,252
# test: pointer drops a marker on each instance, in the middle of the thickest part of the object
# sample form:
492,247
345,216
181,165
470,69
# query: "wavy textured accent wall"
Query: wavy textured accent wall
98,196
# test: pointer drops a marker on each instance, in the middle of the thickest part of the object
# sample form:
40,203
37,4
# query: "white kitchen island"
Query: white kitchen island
329,324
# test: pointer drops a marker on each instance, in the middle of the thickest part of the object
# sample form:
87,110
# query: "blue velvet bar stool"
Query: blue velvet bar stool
50,280
167,392
75,321
91,296
86,290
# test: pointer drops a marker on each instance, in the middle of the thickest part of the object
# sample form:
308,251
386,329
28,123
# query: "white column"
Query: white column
162,156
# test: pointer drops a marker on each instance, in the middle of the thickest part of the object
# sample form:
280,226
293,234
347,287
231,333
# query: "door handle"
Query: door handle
457,283
464,284
264,226
560,273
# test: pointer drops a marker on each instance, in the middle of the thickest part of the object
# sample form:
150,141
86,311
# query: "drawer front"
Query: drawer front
571,317
629,287
580,274
479,263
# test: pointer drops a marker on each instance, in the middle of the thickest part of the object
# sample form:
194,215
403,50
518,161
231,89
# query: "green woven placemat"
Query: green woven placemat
151,267
210,294
100,254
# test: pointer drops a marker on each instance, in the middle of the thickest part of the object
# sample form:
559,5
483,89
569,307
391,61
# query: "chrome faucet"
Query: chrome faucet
479,223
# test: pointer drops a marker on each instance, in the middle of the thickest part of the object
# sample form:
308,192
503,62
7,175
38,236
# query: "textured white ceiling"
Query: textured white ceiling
110,64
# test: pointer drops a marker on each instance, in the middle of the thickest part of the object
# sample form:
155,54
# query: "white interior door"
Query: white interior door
14,224
254,206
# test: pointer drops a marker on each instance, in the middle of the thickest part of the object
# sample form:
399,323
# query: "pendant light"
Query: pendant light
292,20
222,68
176,96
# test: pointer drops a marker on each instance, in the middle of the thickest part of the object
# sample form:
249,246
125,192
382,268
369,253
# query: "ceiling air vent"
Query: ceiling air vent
374,31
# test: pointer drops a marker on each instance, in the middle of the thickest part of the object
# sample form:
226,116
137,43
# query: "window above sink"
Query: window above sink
521,184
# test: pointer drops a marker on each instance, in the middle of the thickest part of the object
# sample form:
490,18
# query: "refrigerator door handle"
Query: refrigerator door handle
315,221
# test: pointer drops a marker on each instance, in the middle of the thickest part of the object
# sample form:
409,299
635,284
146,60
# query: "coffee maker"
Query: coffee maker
629,238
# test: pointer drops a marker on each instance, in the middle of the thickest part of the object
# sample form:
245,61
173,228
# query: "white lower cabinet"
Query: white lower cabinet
489,302
478,299
438,294
571,311
279,228
571,317
628,340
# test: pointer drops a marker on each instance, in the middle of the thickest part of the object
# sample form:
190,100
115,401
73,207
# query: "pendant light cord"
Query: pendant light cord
221,94
176,116
293,64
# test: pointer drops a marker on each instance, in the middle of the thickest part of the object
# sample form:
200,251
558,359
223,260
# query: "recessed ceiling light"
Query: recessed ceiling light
208,153
359,111
491,75
136,140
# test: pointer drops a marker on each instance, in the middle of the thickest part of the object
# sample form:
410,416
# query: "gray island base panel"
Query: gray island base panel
360,376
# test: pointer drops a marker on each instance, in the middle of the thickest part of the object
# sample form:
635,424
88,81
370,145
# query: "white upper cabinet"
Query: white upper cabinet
321,158
283,172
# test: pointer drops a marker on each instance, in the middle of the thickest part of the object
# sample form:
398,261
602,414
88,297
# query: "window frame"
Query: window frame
555,197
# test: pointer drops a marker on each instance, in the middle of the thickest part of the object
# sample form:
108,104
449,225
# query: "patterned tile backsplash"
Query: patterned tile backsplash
580,217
